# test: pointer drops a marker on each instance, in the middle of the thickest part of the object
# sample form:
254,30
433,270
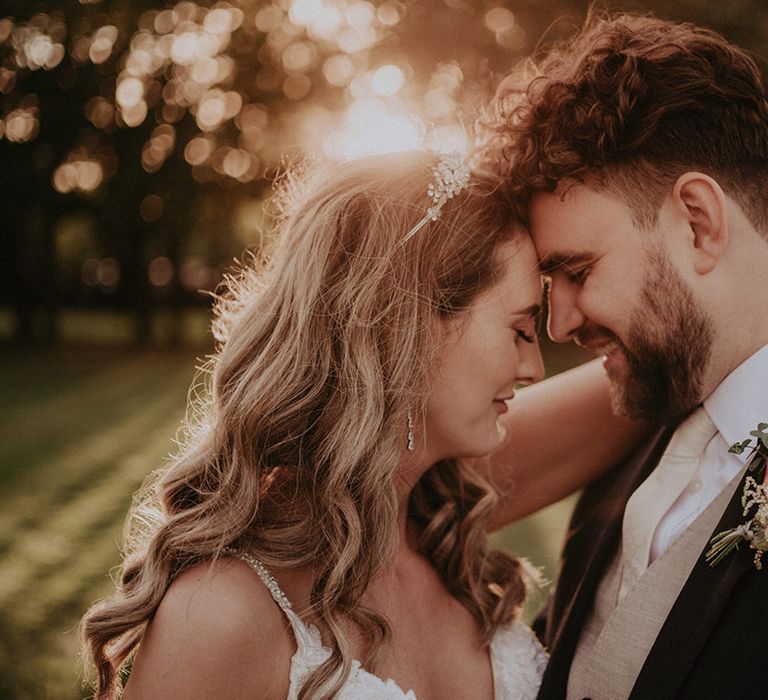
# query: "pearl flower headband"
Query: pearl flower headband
451,176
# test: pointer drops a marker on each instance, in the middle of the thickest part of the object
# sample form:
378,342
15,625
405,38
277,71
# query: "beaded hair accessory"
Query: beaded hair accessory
451,176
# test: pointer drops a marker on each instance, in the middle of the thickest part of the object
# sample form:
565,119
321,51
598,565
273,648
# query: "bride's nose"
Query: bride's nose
531,367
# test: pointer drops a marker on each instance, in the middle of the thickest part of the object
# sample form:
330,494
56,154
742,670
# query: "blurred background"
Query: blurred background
138,145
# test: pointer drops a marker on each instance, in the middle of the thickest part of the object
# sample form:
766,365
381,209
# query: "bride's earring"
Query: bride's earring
411,446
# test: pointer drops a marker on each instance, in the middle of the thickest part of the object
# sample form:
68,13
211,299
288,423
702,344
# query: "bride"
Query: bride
322,531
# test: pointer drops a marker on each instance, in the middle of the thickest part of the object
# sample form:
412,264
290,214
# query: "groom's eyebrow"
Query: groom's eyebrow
550,263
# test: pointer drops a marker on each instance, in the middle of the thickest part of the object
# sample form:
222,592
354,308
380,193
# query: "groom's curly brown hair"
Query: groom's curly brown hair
629,104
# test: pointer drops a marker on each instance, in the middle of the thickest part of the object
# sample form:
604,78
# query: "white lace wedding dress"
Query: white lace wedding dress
517,658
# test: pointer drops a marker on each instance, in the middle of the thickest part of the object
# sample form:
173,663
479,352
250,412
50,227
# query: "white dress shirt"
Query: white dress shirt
736,406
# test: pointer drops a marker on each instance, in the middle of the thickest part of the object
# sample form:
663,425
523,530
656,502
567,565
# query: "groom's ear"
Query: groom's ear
703,205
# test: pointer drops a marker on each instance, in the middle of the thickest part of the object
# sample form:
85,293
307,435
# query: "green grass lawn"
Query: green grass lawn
79,431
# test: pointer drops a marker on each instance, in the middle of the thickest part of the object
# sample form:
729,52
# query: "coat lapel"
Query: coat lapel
694,614
593,538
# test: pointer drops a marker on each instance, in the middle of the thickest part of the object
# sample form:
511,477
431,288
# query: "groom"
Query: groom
641,150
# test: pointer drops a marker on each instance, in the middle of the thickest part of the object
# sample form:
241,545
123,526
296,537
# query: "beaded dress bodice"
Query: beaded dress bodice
517,658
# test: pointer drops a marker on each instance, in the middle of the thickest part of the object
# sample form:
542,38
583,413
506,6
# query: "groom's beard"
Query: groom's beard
669,343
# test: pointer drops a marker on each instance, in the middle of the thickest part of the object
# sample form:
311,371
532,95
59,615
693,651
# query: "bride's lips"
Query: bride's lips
501,404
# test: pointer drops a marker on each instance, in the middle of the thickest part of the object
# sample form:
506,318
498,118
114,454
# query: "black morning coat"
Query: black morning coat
714,644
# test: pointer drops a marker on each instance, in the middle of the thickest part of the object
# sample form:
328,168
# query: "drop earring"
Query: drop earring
411,446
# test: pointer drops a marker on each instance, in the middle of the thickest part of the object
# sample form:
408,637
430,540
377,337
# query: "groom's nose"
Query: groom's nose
565,317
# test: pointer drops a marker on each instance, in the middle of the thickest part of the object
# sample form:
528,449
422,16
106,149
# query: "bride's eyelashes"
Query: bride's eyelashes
527,327
527,337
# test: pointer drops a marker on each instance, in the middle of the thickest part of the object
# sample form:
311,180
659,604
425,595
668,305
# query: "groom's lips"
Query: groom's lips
599,344
603,348
610,350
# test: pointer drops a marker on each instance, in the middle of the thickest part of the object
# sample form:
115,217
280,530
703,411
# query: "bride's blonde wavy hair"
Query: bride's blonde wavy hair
322,350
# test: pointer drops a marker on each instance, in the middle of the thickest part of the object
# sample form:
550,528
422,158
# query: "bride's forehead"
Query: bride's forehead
517,258
518,289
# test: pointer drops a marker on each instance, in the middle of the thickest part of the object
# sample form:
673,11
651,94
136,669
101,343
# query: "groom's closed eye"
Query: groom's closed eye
576,276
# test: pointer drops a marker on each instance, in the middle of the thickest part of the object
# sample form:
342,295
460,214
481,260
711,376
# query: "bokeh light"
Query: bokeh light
319,76
21,125
37,44
326,25
360,14
160,271
356,39
100,112
501,21
6,27
338,69
304,12
387,80
223,20
108,273
299,57
297,87
186,48
135,114
7,79
130,92
103,43
372,127
498,19
390,13
198,150
79,173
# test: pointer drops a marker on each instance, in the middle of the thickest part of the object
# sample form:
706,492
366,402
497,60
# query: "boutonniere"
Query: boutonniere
754,501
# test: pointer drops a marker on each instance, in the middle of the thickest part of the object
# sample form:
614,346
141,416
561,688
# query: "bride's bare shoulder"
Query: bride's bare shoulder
216,633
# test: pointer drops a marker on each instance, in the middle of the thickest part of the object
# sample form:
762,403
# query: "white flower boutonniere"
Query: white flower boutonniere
754,501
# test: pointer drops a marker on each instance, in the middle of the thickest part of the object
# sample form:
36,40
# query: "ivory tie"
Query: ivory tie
651,501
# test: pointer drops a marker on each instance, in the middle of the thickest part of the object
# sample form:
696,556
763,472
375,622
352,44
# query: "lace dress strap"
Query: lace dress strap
518,662
304,637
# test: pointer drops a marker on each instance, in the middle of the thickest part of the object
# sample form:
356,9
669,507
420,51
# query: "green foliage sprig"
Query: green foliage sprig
754,501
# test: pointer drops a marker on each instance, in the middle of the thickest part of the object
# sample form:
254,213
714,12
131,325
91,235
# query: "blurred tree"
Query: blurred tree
138,139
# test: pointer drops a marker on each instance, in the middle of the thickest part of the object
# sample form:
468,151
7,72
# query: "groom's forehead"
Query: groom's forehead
568,225
578,200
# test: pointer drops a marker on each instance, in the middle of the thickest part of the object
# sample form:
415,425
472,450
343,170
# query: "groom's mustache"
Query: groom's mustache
593,337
